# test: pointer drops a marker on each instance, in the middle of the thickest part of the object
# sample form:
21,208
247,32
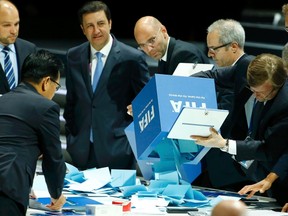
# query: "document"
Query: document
197,121
187,69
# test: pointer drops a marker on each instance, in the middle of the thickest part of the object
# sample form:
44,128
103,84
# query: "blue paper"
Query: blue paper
121,177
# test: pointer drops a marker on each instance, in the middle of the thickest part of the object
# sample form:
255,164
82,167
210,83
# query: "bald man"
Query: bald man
153,39
230,208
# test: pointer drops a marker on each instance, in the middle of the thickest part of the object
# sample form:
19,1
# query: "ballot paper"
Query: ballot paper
197,121
187,69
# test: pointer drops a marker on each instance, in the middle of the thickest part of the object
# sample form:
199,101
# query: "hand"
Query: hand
57,204
129,110
213,140
285,208
32,194
261,186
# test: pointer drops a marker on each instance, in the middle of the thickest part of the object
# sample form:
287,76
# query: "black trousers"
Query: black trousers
9,207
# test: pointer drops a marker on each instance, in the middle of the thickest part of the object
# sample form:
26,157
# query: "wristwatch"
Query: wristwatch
225,148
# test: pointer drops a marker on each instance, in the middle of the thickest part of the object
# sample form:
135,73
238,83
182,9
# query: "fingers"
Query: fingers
285,208
213,130
57,204
129,110
246,189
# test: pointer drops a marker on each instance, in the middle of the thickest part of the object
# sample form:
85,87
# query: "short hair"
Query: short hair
266,67
41,64
285,54
229,31
285,9
92,7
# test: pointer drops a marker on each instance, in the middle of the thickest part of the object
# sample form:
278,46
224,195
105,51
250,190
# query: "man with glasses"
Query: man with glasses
267,78
30,128
153,39
225,42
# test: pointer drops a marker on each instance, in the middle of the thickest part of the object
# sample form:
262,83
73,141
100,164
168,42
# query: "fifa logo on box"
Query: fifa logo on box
177,106
146,118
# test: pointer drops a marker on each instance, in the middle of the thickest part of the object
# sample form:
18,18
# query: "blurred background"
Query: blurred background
57,20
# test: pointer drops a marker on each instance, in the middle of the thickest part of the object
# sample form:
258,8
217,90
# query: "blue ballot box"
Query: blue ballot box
158,105
155,110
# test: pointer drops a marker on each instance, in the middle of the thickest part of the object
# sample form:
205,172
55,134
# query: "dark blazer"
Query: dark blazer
181,51
227,81
269,148
30,126
23,49
124,75
223,171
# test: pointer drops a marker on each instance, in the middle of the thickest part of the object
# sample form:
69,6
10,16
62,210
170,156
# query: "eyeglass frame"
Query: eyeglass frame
150,42
58,84
214,49
256,92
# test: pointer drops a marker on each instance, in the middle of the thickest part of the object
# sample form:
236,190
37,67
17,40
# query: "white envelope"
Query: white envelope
187,69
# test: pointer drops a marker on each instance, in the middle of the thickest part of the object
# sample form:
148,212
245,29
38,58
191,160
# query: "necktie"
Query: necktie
162,67
98,70
253,127
8,68
255,119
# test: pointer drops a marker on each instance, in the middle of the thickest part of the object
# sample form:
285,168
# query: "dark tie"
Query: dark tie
162,67
255,119
8,68
98,70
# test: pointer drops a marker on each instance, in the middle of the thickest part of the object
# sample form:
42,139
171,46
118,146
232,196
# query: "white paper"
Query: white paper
187,69
196,121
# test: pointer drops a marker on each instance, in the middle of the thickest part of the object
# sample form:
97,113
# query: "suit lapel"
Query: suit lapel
86,69
112,59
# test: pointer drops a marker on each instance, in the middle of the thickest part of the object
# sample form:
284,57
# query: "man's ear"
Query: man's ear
45,83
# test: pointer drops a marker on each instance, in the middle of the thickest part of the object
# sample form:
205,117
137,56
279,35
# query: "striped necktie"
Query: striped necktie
8,68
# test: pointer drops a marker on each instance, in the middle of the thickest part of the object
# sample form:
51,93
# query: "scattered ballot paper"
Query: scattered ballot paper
187,69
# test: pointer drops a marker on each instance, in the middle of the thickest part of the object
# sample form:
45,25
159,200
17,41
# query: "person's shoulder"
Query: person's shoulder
23,42
245,59
79,48
186,44
128,50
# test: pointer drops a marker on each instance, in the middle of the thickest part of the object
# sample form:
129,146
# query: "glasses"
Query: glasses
149,42
262,93
58,84
213,49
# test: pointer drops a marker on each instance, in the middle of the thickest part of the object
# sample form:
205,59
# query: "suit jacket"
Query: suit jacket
23,49
181,51
269,148
124,74
227,81
30,126
224,171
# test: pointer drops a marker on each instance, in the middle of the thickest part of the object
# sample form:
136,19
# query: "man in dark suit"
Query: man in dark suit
30,128
95,121
267,82
225,42
152,37
19,48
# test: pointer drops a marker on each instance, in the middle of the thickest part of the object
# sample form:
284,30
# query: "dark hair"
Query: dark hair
92,7
41,64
